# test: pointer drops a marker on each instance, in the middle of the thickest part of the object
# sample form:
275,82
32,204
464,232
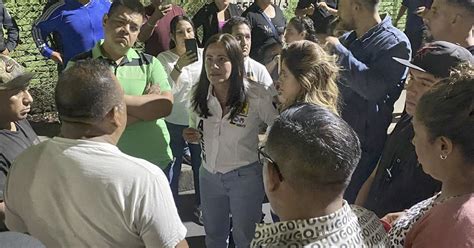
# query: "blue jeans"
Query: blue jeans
177,144
240,193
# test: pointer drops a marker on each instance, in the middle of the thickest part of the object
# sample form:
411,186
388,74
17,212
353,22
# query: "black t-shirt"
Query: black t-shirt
11,145
399,182
320,17
263,37
207,18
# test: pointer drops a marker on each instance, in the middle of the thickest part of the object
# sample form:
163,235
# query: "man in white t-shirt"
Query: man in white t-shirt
239,27
80,190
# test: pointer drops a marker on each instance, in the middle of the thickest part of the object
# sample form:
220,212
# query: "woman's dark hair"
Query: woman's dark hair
236,96
174,23
447,109
304,24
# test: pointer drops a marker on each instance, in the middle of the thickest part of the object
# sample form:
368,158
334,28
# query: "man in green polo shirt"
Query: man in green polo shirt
145,83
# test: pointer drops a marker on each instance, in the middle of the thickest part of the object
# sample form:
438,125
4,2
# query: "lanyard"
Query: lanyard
275,33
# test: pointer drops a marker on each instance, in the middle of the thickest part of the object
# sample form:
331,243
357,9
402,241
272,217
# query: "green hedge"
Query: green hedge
26,12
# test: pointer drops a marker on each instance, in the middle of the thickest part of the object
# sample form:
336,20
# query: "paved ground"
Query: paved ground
195,235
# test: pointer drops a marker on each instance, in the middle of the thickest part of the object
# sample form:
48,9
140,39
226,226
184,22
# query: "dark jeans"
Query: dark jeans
366,165
177,144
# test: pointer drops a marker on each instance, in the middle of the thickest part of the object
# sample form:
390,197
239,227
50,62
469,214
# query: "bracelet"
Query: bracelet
176,67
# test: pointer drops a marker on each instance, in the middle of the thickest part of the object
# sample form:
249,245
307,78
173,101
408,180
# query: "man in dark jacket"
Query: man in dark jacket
8,44
371,81
399,182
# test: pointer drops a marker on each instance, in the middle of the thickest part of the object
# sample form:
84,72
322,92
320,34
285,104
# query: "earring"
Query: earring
443,157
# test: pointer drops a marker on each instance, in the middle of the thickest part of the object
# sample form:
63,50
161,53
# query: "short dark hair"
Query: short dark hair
134,5
370,4
87,90
447,109
313,147
304,24
236,94
235,21
465,4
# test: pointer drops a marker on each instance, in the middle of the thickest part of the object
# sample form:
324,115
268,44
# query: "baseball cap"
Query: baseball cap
12,74
438,58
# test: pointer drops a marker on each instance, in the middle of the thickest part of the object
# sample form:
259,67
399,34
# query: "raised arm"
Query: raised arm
372,82
46,24
147,29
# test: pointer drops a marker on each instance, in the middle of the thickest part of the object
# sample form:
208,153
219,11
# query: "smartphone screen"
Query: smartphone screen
191,45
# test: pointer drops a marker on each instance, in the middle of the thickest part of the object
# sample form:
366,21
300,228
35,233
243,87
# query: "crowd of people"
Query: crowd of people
319,88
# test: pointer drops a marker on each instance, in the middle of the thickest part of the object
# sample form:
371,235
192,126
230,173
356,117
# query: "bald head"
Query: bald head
467,5
87,91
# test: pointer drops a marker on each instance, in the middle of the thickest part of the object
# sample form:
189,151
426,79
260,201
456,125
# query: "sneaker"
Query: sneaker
198,213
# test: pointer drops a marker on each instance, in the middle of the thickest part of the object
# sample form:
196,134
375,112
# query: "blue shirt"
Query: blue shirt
371,81
79,26
414,22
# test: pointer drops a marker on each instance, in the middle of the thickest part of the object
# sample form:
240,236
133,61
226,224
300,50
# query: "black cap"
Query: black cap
438,58
12,74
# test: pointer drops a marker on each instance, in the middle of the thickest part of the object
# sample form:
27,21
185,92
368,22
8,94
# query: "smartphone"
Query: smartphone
191,45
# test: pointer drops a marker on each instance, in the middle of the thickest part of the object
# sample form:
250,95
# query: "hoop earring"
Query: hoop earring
443,157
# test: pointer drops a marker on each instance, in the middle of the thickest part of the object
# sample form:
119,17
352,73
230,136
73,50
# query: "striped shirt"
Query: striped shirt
148,140
79,26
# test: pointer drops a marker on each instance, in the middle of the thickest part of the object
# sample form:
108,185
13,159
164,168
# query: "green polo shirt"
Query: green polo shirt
148,140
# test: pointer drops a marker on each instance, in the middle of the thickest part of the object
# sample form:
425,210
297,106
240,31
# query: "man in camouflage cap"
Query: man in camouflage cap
16,133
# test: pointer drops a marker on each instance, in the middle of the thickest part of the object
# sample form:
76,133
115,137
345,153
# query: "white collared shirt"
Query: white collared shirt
230,144
256,72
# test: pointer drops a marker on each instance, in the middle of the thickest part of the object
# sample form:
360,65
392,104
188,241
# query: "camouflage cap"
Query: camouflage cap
12,74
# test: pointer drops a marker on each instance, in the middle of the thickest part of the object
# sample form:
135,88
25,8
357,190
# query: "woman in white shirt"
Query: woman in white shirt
228,111
183,69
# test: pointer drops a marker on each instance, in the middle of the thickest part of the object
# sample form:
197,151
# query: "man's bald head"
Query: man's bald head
87,91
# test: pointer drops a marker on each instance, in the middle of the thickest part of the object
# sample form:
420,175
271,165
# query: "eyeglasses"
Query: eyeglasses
263,156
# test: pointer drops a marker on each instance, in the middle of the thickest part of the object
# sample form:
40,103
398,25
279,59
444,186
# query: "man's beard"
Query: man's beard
345,25
427,36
